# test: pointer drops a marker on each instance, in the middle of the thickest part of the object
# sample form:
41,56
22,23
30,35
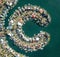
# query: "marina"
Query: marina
16,41
18,19
5,49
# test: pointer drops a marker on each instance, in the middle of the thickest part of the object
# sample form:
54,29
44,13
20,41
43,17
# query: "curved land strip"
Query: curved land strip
5,49
20,16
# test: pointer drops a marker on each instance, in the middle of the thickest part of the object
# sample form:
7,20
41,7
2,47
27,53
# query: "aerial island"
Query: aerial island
28,12
5,49
18,19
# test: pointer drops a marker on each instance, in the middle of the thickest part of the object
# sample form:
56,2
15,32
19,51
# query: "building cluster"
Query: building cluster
18,19
5,49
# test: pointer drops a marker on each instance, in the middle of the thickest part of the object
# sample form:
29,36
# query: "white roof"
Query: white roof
19,24
28,7
2,41
10,3
26,39
11,21
10,34
37,39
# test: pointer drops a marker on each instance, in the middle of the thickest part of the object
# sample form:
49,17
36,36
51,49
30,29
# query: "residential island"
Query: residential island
28,12
18,19
5,49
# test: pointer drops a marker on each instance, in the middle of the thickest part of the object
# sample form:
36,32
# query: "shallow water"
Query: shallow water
53,8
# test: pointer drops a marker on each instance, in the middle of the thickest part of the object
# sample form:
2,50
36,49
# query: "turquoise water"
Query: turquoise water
53,48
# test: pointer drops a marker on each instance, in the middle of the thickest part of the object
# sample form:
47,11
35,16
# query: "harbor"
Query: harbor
18,19
5,49
52,48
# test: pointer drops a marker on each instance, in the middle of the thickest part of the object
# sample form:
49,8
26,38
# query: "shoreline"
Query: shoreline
19,17
5,50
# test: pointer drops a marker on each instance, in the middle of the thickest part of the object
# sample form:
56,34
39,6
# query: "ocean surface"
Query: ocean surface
53,8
